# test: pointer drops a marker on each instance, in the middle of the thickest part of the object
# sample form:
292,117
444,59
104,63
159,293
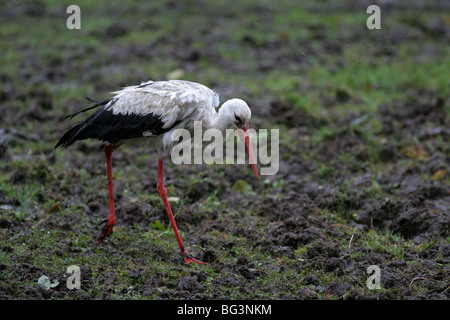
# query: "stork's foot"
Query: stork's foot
106,230
189,259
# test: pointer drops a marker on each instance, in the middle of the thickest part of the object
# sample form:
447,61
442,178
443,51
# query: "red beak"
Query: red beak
245,136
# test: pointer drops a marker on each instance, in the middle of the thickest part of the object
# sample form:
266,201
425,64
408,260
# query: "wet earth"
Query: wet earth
309,232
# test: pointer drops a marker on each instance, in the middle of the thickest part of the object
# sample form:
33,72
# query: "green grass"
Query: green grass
273,54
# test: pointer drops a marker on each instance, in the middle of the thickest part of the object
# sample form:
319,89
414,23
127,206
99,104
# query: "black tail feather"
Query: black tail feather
68,138
92,100
73,134
97,104
105,125
82,130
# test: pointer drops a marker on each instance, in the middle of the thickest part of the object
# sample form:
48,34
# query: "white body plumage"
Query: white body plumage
151,111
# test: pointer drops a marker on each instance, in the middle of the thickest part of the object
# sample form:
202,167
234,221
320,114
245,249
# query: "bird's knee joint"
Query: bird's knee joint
161,190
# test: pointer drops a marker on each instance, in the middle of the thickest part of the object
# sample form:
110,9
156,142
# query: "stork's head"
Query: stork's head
237,113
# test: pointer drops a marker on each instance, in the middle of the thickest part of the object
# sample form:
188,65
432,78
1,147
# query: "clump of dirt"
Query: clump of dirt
346,141
421,114
285,112
419,219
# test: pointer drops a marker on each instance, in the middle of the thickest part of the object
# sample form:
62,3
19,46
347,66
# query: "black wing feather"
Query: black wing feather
97,104
104,125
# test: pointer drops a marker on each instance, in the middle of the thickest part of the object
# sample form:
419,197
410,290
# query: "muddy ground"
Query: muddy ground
364,159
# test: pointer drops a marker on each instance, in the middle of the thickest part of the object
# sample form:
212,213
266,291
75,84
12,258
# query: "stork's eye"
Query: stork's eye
237,118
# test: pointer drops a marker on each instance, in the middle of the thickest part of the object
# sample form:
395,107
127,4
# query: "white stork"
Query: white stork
151,112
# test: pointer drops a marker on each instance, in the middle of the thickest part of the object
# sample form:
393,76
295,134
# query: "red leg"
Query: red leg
163,193
111,220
